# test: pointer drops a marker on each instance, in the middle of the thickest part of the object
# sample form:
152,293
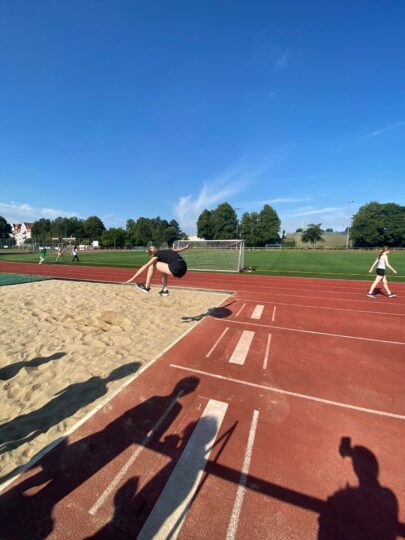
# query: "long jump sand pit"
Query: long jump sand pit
66,347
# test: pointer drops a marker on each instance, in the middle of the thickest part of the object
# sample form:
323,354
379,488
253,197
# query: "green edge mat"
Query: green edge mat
14,279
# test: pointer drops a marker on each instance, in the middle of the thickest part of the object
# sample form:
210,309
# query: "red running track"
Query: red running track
240,429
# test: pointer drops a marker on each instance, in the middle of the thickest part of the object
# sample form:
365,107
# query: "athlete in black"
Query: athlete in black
168,262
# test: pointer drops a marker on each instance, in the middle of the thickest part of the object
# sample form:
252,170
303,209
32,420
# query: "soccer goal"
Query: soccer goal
213,255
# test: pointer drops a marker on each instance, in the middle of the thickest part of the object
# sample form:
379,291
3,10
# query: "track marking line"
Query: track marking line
292,394
216,343
237,507
239,312
274,314
257,312
120,475
266,354
318,333
171,508
331,308
242,348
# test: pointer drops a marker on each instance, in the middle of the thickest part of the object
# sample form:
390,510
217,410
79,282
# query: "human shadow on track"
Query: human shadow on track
216,312
10,371
26,510
67,402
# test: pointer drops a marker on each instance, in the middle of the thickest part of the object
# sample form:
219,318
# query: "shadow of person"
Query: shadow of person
8,372
26,508
216,312
364,512
158,509
67,402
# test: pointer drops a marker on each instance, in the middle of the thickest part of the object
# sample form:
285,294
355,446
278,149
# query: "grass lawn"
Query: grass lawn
325,264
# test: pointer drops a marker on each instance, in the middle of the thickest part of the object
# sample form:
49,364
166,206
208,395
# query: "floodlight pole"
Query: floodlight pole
237,221
350,223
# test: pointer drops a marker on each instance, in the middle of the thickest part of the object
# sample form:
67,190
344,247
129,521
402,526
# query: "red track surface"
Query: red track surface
321,361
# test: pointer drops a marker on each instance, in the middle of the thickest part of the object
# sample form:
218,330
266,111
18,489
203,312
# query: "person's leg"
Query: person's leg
164,282
149,275
373,286
385,285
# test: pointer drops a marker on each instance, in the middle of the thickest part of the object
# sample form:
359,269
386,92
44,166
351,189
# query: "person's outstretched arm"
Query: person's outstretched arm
142,269
374,263
182,249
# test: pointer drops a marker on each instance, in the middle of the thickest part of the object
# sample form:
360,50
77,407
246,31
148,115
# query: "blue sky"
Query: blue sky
126,108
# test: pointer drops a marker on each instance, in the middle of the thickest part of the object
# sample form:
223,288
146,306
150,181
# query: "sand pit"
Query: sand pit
67,346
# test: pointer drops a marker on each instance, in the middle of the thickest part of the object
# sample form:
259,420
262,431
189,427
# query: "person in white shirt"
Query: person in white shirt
61,253
74,254
382,263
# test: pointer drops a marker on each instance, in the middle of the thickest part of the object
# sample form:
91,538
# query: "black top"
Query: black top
169,256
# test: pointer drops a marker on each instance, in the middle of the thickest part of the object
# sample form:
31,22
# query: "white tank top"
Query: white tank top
381,262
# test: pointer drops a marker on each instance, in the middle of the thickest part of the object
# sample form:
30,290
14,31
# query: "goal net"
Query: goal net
213,255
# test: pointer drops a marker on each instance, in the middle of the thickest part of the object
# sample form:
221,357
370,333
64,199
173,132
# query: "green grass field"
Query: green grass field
324,264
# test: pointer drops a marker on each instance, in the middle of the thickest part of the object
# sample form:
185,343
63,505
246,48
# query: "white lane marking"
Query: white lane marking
293,394
266,354
120,475
274,314
333,308
216,343
318,333
257,312
234,521
242,348
170,510
237,314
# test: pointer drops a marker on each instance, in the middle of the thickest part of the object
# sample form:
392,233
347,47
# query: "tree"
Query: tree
5,228
378,224
114,237
329,229
249,228
300,229
41,230
269,226
204,225
313,234
224,222
93,227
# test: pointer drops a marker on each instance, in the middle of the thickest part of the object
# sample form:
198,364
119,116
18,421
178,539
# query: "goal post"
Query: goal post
213,255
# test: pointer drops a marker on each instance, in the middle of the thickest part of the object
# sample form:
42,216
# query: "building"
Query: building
21,232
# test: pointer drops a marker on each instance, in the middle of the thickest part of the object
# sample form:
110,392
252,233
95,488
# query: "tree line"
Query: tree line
374,224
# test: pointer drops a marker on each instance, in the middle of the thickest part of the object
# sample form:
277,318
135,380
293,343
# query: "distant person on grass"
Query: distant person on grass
167,261
42,255
74,254
61,253
382,263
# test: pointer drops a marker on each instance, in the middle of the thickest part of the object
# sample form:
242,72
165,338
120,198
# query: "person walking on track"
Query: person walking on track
74,254
168,262
382,263
61,253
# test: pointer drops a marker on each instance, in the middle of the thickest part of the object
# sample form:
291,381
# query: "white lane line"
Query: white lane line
333,308
170,510
257,312
120,475
274,314
266,354
216,343
317,333
237,314
237,507
242,348
293,394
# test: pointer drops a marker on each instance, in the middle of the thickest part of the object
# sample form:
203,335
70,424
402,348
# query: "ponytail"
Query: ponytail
384,250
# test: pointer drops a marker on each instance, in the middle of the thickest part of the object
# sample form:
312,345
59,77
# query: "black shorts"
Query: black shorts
178,269
380,272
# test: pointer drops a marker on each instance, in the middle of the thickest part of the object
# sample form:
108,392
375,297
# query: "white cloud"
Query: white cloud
212,193
337,218
284,200
282,61
386,128
14,212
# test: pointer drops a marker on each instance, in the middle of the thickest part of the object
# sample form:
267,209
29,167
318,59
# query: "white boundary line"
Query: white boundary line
292,394
274,314
238,313
326,307
170,511
316,333
257,312
266,355
234,521
242,348
216,343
